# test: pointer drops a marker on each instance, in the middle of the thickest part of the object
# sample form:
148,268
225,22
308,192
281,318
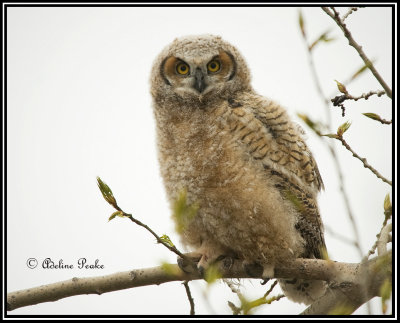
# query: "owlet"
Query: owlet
240,159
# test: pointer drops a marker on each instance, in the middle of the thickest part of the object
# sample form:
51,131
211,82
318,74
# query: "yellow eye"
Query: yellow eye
214,66
182,68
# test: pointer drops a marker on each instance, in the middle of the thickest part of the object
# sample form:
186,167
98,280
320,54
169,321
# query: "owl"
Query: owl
240,158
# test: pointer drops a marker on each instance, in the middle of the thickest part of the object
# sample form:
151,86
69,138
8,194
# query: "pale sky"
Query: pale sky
79,107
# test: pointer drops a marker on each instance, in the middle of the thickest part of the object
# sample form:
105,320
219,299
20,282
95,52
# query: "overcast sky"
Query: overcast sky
79,107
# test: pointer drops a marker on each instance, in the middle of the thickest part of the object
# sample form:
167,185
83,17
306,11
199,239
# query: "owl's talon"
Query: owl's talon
227,262
184,265
202,271
188,264
265,280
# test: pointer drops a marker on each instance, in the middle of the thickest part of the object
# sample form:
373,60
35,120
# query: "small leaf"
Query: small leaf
212,274
342,309
117,213
170,269
297,203
324,253
167,240
183,212
301,24
385,292
315,126
341,87
106,191
322,38
343,128
361,70
373,116
387,205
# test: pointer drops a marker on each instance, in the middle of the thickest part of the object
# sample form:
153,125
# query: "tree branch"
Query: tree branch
363,160
339,99
189,296
335,16
351,10
330,144
337,272
345,297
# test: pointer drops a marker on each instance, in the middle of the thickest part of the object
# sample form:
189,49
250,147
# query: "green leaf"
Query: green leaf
315,126
343,128
297,203
373,116
387,205
212,274
322,38
361,70
342,309
106,191
170,269
385,292
341,87
183,212
117,213
301,24
167,240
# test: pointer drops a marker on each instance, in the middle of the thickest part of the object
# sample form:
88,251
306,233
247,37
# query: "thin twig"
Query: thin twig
189,296
339,99
270,289
159,240
383,121
331,147
335,16
363,160
246,306
340,237
110,199
348,13
342,189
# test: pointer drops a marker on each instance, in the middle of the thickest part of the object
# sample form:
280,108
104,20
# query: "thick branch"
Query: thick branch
301,268
346,297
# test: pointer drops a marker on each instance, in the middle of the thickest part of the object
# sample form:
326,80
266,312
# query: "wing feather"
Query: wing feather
279,144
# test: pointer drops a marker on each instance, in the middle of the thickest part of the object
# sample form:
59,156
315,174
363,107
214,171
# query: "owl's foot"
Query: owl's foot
254,269
209,254
188,264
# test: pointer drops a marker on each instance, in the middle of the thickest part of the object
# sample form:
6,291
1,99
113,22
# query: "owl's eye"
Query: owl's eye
182,68
214,66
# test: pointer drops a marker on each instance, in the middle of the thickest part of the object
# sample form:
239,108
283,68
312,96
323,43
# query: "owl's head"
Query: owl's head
198,69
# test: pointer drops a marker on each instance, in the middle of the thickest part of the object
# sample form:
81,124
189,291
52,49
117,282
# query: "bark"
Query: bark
350,283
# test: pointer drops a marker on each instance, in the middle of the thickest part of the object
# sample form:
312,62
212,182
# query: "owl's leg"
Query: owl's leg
212,253
204,257
187,264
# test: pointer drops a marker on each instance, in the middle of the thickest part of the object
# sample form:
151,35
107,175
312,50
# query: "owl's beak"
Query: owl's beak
199,83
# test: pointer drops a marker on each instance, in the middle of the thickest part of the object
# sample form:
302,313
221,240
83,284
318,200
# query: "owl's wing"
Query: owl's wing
271,138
